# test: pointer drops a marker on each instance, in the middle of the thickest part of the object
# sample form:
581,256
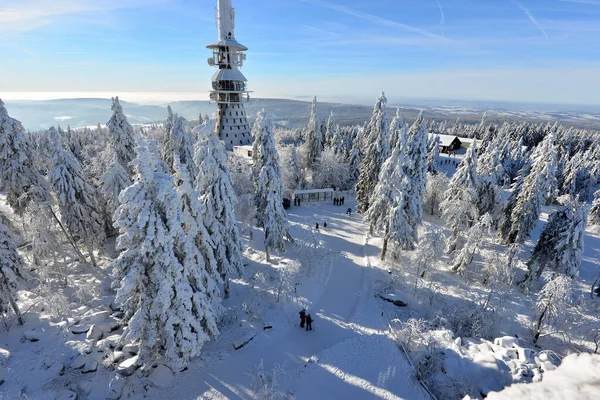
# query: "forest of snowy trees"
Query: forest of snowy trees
159,212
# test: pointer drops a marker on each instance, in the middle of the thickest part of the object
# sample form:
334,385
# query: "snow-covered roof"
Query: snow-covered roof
446,140
308,191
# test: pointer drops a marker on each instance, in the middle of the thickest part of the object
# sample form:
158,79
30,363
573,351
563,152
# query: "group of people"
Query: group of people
324,225
305,319
297,201
338,201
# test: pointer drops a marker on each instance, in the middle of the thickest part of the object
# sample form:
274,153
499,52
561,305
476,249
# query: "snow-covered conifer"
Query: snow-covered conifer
121,135
560,246
377,149
434,192
219,199
19,176
269,189
415,168
293,177
429,251
166,150
475,236
181,144
169,299
594,216
354,162
329,132
11,271
396,127
433,155
389,209
538,185
459,208
77,199
112,182
313,135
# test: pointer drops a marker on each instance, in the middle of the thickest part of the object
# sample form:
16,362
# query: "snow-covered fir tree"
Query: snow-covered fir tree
112,182
415,168
182,145
459,208
377,148
329,132
594,216
313,135
560,246
121,135
269,189
19,175
11,272
390,207
166,150
433,154
171,303
354,162
396,127
219,199
434,192
77,198
475,236
293,177
537,186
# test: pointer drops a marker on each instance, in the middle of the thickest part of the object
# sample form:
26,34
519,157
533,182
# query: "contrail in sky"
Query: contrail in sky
531,17
443,18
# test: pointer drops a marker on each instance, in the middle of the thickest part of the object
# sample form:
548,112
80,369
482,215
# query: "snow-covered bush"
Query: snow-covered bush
265,384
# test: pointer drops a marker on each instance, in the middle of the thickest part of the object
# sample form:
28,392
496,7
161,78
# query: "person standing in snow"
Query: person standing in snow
302,317
325,225
342,200
317,226
349,211
309,322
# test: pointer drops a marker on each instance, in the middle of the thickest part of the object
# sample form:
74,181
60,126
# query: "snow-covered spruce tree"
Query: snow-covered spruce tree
19,176
269,189
11,265
313,136
181,142
437,185
121,135
594,216
475,236
329,132
354,162
293,177
218,197
77,199
489,163
338,143
388,212
429,251
459,208
537,186
415,168
488,195
166,150
329,172
552,302
170,301
560,246
396,128
377,150
112,182
433,155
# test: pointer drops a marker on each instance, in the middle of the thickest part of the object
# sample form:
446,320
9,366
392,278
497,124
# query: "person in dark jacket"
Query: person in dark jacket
309,322
317,226
302,317
325,225
342,200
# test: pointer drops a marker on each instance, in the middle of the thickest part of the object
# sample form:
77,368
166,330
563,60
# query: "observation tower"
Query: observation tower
228,83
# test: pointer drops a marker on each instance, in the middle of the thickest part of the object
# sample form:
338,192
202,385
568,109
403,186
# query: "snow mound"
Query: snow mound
578,377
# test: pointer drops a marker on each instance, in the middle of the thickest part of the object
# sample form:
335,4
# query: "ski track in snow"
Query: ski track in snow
348,355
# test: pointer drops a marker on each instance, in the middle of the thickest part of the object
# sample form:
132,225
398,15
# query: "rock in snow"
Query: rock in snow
77,329
95,318
95,333
3,374
79,362
91,365
32,336
161,376
131,348
128,367
115,388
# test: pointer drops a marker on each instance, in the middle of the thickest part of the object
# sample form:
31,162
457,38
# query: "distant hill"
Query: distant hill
36,115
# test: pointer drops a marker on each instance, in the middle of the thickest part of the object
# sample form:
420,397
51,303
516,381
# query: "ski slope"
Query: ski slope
351,356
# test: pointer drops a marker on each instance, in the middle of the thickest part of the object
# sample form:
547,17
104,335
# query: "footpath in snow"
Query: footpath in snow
348,355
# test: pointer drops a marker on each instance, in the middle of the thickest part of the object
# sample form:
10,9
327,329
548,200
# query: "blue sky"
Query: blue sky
526,50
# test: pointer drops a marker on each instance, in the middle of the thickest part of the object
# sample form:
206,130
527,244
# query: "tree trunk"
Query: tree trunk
538,327
12,301
69,238
226,286
385,242
267,254
90,250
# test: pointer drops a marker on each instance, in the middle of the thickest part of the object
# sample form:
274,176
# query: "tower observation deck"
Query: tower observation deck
228,83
